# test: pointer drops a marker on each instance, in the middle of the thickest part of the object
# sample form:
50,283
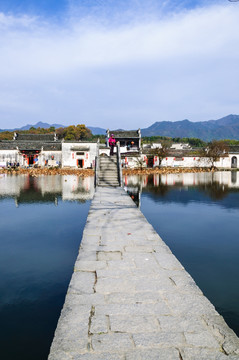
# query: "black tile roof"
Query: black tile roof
125,134
30,145
234,149
35,137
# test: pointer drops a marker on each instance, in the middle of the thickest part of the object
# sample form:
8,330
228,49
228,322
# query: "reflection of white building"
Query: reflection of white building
227,178
25,188
77,188
11,185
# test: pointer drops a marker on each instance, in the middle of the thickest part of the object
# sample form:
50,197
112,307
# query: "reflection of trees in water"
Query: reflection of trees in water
212,188
215,190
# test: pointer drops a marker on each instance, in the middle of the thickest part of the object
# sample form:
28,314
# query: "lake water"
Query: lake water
41,223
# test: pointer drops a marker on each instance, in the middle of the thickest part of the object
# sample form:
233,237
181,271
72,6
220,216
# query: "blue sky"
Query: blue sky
111,63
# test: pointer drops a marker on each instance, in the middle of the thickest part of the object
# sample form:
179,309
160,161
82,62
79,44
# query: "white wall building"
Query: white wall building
79,154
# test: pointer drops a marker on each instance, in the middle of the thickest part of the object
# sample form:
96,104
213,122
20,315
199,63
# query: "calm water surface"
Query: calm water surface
41,223
197,215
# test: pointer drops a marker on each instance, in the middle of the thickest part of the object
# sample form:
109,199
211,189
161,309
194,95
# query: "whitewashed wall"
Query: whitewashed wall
47,156
9,156
70,157
223,162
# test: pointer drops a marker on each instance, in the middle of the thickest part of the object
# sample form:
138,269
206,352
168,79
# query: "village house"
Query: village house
31,150
45,150
181,156
79,154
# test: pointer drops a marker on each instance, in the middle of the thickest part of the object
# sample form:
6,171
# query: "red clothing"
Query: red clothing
112,141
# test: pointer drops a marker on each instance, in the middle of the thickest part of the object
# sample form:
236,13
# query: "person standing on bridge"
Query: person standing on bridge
112,143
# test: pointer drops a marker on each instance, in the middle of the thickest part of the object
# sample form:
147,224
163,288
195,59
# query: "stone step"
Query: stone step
108,184
108,164
110,167
108,177
108,172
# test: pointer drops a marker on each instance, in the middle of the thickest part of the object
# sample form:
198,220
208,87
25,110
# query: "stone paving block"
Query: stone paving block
82,283
110,248
204,354
146,272
58,354
90,265
99,356
136,324
110,255
161,248
226,336
99,324
114,273
91,231
109,285
140,249
159,339
189,304
112,342
158,284
155,354
133,309
71,340
141,259
87,255
181,324
231,345
120,265
202,339
84,299
75,316
168,261
134,298
90,239
89,247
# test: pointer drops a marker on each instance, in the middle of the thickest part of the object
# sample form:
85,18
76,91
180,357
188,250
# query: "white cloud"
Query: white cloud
181,65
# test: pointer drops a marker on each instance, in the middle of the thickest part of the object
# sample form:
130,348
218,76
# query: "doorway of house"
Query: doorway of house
30,160
150,161
80,163
234,162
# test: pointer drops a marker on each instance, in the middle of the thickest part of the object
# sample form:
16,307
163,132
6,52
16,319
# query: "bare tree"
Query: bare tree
163,151
215,150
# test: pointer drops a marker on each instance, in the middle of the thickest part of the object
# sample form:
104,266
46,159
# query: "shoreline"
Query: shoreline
90,172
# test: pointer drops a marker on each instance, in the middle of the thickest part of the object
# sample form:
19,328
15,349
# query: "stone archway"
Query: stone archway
234,162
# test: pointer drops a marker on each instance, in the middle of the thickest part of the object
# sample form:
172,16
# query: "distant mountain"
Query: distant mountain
40,125
94,130
37,125
224,128
97,130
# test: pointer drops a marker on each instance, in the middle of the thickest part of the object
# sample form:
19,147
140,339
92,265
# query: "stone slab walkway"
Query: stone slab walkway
130,298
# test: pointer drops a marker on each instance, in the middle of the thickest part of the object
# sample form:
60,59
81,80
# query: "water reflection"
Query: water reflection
216,185
46,189
38,246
